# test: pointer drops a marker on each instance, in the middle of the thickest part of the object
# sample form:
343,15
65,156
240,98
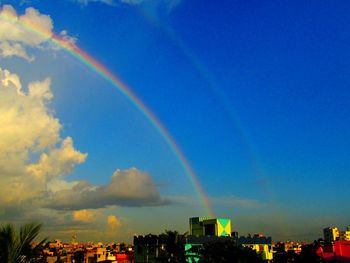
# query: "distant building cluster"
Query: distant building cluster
332,234
334,247
202,230
57,251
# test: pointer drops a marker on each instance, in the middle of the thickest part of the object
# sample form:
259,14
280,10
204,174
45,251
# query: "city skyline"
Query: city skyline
128,117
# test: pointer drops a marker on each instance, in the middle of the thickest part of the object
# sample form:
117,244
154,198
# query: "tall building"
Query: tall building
205,226
330,234
261,244
147,248
345,235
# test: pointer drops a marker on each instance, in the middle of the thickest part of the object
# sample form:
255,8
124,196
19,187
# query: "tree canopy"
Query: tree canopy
173,249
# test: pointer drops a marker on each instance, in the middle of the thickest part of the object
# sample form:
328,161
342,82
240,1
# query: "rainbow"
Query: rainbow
101,70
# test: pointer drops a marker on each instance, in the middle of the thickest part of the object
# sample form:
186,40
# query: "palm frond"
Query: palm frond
15,247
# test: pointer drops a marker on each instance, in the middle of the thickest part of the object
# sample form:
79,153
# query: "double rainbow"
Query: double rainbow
100,69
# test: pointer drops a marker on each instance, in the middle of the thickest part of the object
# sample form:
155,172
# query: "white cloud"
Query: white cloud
28,129
57,162
10,80
67,38
26,124
32,29
24,28
8,49
57,184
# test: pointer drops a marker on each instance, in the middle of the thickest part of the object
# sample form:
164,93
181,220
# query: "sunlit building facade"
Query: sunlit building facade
205,226
261,244
345,235
330,234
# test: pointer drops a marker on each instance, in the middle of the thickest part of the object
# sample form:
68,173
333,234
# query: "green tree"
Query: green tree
17,247
172,247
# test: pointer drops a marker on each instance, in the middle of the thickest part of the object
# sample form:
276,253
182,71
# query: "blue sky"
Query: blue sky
255,94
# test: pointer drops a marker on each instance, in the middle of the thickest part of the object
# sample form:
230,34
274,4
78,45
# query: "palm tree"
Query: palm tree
173,247
16,247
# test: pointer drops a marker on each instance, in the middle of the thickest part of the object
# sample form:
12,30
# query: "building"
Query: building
261,244
330,234
125,257
150,248
337,251
146,248
345,235
206,230
205,226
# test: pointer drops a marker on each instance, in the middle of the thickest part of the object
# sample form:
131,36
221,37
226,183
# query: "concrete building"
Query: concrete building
337,251
261,244
202,230
345,235
205,226
148,248
330,234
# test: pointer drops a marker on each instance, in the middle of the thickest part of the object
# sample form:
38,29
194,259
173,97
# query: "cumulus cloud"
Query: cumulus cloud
28,129
18,32
67,38
127,188
27,125
113,222
57,162
8,49
85,216
14,27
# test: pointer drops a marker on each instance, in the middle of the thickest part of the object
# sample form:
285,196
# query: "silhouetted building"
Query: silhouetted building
330,234
147,248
